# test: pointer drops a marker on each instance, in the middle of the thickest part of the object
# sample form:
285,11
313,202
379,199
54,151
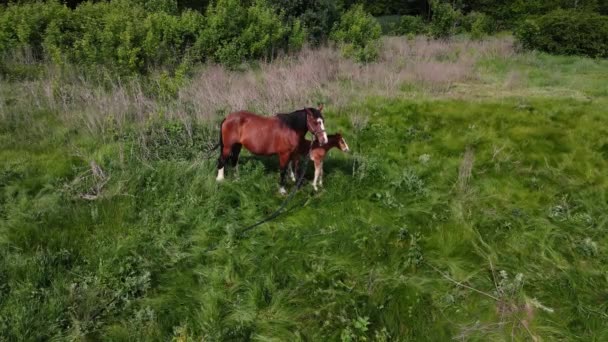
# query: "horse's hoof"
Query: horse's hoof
282,191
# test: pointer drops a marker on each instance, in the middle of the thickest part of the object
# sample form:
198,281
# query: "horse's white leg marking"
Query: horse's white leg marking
220,175
282,191
291,175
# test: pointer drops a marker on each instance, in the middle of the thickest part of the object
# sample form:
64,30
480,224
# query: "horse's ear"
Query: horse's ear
320,107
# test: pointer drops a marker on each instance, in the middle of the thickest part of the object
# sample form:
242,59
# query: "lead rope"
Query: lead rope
285,202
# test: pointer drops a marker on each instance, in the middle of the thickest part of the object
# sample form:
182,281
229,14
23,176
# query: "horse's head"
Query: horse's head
316,123
342,143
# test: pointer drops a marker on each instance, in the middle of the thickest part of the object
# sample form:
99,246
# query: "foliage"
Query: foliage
477,24
566,32
409,24
358,35
235,32
120,35
444,20
24,26
317,17
387,7
134,36
507,14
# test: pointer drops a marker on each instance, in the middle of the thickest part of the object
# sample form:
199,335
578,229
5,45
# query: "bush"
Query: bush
234,32
358,35
566,32
121,35
131,36
444,19
477,24
409,24
316,16
168,37
24,26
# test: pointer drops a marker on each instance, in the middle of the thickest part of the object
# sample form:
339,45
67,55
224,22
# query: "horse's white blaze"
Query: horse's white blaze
346,149
220,175
322,126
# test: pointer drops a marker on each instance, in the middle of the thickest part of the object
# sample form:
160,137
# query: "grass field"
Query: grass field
470,208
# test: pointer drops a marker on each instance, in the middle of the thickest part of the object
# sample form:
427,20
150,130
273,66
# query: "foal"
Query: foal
317,155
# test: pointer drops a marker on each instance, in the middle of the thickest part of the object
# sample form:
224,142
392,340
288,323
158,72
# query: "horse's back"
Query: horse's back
258,134
245,118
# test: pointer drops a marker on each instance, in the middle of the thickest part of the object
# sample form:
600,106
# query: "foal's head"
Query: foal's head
340,142
316,123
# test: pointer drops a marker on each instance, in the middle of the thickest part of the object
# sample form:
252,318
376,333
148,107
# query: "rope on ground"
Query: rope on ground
285,202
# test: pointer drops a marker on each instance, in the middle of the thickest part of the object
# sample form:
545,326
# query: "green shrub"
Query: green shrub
477,24
358,35
264,31
111,34
566,32
389,24
165,6
444,19
24,26
410,24
297,36
131,36
235,32
316,16
168,37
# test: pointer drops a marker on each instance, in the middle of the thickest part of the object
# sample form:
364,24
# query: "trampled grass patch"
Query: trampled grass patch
476,219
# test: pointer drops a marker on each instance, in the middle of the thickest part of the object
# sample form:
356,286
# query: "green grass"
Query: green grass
412,237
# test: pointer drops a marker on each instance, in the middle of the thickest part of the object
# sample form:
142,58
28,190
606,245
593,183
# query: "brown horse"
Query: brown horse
279,134
317,154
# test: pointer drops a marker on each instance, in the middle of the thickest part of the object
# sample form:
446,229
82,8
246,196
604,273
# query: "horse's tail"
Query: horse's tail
220,142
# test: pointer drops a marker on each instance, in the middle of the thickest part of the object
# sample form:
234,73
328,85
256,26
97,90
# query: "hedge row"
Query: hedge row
132,36
566,32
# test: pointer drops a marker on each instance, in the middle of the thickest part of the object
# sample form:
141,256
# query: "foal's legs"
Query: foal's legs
318,172
321,173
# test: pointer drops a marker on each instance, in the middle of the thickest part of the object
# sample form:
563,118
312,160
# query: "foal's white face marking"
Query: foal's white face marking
220,175
322,126
344,145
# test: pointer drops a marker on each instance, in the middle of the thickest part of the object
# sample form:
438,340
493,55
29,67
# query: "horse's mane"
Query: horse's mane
297,120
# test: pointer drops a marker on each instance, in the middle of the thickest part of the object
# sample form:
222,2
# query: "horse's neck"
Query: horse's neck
295,121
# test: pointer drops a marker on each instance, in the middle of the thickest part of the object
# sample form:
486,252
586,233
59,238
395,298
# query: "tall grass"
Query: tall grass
311,76
472,206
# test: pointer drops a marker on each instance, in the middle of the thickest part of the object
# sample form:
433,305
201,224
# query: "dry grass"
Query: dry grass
311,76
465,169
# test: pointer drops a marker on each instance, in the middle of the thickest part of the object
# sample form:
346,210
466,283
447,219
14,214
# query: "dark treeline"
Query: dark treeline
503,10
